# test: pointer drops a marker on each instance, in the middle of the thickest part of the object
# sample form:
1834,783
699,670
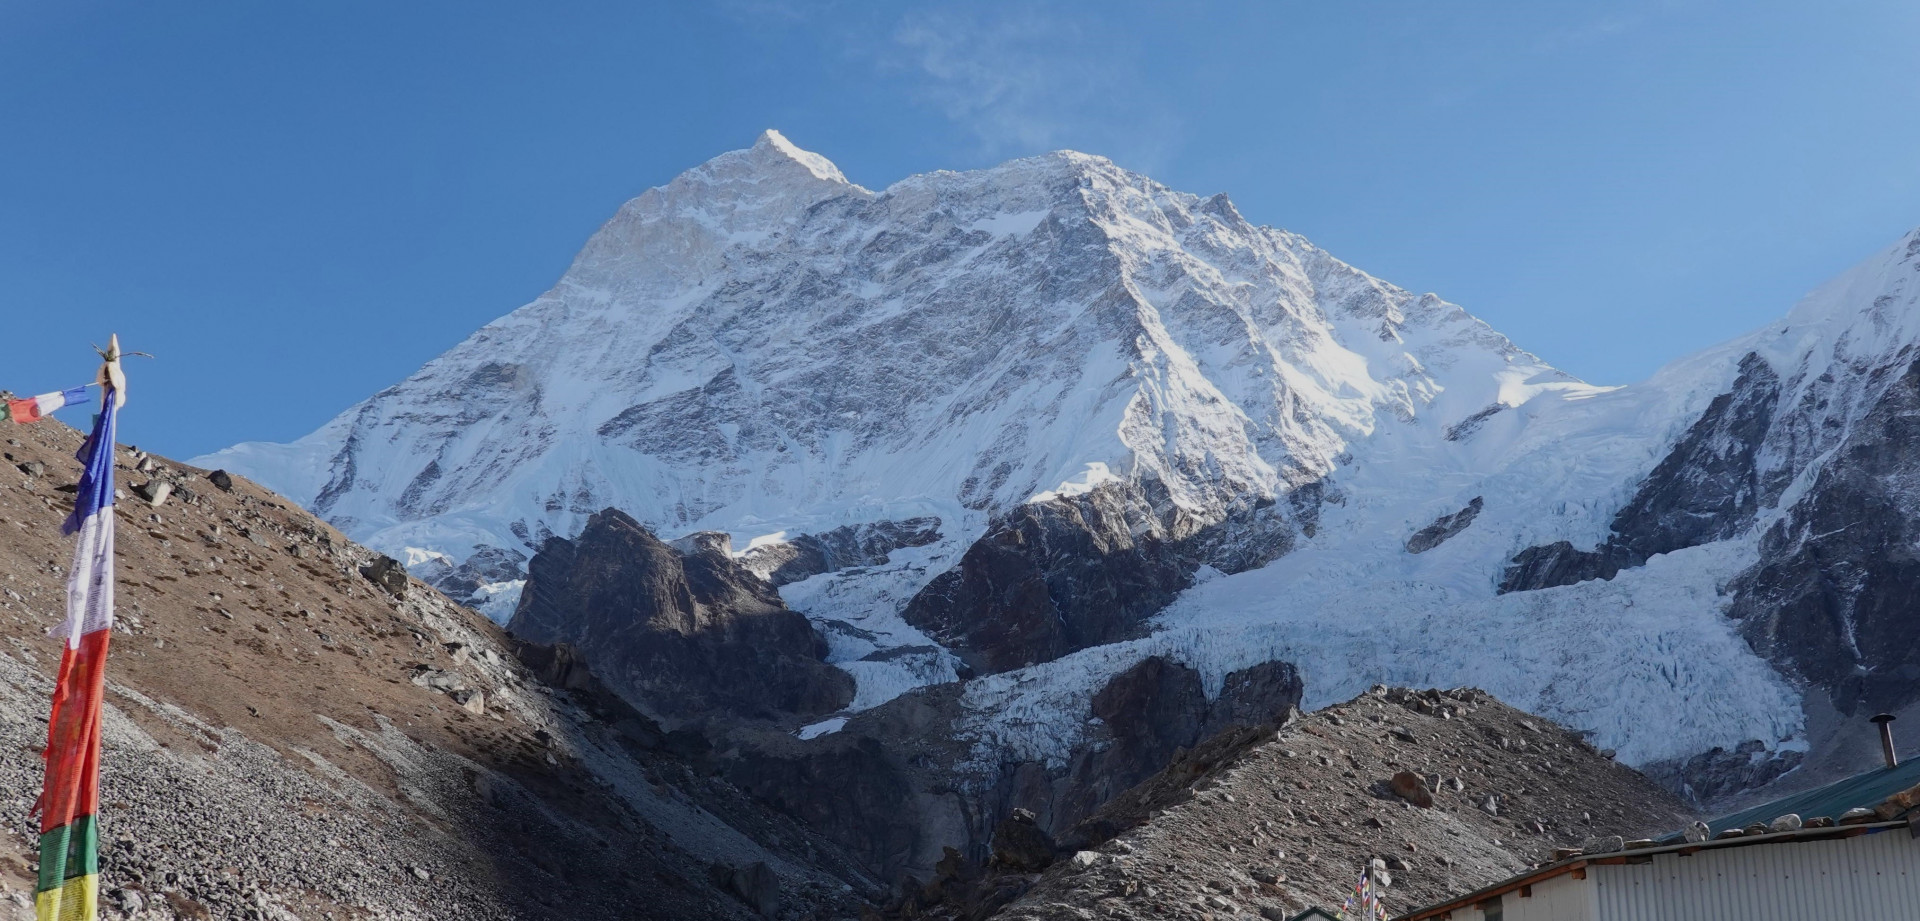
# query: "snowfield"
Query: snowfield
763,348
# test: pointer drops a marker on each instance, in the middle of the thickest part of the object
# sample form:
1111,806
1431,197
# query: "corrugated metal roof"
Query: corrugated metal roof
1831,800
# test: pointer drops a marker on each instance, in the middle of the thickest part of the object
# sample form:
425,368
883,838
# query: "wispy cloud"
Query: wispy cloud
1027,81
1588,32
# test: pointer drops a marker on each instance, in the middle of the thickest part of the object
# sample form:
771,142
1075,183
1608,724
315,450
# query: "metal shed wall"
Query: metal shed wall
1872,877
1562,898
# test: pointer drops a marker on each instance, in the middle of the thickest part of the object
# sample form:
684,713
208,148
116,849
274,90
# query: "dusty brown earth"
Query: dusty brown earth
287,737
1266,822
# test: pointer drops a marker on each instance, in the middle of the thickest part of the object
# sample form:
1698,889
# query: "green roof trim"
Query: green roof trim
1315,914
1861,790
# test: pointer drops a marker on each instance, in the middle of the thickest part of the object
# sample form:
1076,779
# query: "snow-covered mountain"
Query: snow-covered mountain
895,402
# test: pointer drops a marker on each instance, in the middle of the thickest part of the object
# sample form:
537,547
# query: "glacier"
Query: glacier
763,348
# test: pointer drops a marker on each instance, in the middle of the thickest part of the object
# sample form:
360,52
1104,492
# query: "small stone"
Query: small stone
1603,845
1789,822
1698,832
1856,816
221,480
420,873
1084,859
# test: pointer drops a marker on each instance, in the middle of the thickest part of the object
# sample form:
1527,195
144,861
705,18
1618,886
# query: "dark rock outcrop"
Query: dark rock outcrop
1049,578
1444,527
1835,598
1020,844
892,786
1713,775
680,636
1471,424
1707,488
1153,711
843,547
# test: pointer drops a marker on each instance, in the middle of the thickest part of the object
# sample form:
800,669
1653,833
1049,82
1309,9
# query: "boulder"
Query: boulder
387,573
755,884
1410,787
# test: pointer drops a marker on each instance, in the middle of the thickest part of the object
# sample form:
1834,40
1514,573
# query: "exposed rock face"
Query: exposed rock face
1718,774
681,636
1153,711
1052,577
896,788
1707,488
865,544
1435,534
1835,597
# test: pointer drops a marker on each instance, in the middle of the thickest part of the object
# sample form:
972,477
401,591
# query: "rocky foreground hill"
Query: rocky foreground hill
1450,790
296,729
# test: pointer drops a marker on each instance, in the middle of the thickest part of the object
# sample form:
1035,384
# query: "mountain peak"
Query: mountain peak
772,146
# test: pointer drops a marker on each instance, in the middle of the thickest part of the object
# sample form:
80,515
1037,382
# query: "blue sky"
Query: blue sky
295,205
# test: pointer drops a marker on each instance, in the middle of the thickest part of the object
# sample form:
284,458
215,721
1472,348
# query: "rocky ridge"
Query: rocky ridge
1451,790
296,729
